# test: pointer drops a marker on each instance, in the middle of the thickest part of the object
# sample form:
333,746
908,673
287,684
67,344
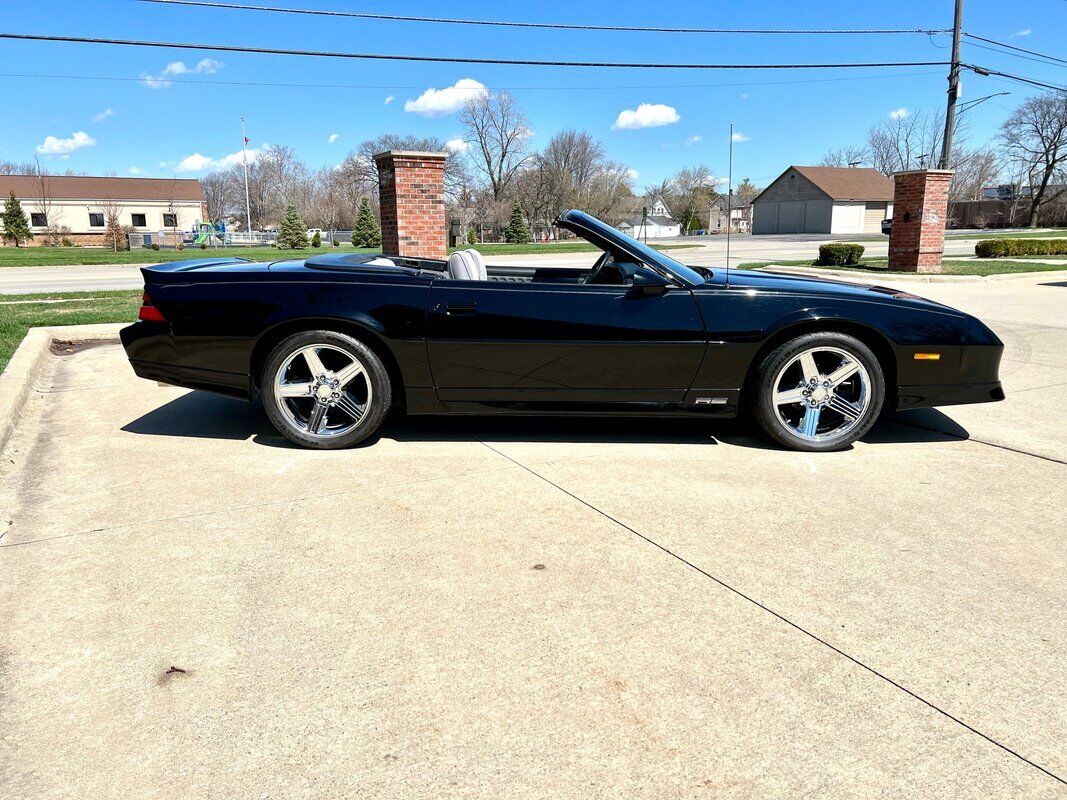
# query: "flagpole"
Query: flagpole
729,201
244,160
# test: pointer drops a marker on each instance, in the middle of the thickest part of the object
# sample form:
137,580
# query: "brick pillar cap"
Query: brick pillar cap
410,154
919,172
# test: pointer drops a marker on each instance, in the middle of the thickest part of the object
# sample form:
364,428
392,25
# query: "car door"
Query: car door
561,342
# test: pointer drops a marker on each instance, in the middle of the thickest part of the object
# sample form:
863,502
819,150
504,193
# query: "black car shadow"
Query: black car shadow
201,415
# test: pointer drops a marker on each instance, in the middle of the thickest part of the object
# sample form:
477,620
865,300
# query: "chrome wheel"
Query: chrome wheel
322,390
822,394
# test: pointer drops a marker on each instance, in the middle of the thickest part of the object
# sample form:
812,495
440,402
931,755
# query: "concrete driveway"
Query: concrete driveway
492,608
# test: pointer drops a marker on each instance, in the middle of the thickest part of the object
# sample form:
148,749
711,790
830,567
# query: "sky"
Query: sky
165,112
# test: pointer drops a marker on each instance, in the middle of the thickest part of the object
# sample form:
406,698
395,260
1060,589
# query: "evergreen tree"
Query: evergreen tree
316,240
517,232
367,232
293,233
16,225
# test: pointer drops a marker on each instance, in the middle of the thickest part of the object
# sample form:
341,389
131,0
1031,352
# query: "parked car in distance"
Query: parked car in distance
887,226
312,231
331,343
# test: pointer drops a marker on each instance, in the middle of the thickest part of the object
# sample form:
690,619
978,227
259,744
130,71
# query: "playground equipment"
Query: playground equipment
208,233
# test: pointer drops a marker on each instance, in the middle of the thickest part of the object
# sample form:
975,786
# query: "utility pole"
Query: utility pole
953,88
244,160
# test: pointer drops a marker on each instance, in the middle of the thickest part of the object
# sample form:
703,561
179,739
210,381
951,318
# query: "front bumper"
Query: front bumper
948,395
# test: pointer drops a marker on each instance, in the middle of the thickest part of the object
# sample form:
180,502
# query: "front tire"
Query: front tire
819,392
325,390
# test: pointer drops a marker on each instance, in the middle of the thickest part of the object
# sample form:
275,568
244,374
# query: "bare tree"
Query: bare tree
847,156
219,195
907,141
1035,137
15,168
974,170
45,196
498,134
114,231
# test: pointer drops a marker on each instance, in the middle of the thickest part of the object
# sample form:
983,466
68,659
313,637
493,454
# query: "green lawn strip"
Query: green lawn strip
74,308
948,267
1052,233
63,256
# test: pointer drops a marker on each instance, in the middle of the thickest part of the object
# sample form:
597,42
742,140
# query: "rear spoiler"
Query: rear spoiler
174,271
196,263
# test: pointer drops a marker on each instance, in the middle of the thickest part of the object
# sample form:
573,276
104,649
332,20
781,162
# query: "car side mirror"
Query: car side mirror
647,283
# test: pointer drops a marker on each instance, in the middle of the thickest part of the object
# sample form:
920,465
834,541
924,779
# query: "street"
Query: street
711,252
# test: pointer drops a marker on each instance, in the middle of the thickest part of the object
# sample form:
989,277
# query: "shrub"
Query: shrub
155,246
367,232
472,237
179,247
66,241
336,242
839,254
316,239
292,233
203,245
997,248
517,232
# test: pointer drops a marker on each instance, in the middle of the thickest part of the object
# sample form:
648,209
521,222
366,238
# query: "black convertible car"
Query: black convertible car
332,342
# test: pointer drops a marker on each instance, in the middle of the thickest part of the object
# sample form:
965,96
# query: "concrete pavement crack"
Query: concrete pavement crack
781,617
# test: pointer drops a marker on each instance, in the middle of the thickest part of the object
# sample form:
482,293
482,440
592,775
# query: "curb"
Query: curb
19,379
875,277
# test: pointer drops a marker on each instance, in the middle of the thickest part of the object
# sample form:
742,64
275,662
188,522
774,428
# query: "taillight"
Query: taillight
149,312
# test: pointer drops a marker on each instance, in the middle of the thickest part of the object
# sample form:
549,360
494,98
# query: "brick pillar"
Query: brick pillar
412,189
920,213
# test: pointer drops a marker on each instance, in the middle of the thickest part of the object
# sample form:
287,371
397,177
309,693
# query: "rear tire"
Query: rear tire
325,390
819,392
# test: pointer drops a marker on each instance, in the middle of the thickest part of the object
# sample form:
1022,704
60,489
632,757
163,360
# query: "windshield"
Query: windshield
611,238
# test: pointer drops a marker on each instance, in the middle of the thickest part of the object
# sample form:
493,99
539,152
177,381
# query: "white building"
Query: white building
834,200
656,224
76,206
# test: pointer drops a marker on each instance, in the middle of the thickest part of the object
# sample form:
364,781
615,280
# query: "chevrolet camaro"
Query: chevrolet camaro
331,343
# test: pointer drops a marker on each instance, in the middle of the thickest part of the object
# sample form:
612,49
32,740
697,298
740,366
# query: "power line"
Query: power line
1035,59
228,48
1013,47
986,71
421,87
548,25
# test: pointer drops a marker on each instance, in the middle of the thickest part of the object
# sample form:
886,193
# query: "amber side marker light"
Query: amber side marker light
927,356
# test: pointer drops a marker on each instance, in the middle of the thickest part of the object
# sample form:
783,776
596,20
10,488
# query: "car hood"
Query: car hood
812,285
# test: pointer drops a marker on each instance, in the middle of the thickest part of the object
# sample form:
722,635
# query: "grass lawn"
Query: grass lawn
60,256
20,312
948,266
1052,233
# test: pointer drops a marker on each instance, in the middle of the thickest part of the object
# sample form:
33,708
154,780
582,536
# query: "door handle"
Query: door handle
460,309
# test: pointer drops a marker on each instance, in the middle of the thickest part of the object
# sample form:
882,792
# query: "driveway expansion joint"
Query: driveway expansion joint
782,618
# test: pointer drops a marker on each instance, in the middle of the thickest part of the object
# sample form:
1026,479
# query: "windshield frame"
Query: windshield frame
604,236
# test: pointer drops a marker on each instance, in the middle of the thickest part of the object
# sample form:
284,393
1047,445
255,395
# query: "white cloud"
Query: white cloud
1023,32
899,113
646,115
694,139
389,99
438,102
54,146
107,112
633,174
205,66
333,138
201,163
744,96
457,145
721,181
135,171
740,137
